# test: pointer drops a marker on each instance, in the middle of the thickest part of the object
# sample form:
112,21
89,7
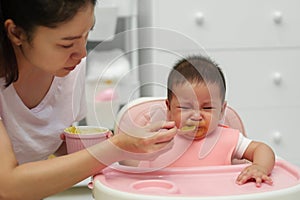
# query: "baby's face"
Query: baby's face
197,105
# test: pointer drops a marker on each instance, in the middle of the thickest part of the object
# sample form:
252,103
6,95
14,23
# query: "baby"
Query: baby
196,102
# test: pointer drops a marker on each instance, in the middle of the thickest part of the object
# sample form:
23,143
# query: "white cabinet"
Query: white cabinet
231,23
256,43
263,85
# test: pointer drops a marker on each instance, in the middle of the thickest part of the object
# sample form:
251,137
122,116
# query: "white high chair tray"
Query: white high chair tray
217,182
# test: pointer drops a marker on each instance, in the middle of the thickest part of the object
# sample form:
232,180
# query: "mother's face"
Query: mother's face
56,50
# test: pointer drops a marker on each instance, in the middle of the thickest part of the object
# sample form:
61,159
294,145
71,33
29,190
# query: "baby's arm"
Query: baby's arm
263,160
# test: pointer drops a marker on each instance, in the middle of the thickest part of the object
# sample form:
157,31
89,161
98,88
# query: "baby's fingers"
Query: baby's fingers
264,178
267,179
243,178
259,179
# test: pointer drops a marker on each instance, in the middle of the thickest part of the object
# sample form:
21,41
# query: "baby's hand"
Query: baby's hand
256,172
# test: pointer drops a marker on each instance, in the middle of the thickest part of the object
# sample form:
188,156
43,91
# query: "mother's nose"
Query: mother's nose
80,51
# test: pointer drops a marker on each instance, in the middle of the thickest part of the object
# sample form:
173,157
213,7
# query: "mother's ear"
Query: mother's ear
14,33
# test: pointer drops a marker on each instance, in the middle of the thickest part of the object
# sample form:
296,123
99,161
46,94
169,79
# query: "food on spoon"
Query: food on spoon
188,128
191,132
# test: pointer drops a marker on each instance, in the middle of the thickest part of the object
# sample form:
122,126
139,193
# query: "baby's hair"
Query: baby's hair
196,69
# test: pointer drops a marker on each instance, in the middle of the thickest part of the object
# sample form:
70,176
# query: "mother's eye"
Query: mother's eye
67,46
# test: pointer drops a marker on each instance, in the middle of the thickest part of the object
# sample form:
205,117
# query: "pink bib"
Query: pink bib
216,149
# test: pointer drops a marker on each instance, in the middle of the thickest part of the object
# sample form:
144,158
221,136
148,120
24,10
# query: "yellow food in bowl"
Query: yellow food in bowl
72,129
85,130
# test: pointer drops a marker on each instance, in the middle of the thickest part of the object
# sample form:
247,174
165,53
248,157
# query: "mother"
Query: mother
42,71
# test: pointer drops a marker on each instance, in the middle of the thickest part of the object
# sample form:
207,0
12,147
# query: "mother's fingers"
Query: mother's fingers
62,136
164,135
158,125
148,131
163,147
168,124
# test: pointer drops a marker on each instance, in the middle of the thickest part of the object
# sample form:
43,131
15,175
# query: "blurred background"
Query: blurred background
256,43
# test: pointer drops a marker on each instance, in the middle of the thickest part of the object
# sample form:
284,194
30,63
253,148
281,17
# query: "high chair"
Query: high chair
119,182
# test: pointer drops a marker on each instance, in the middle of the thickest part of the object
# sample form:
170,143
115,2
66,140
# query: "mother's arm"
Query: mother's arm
36,180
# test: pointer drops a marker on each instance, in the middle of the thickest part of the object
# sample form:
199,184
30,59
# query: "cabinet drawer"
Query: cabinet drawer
278,127
255,78
261,78
230,23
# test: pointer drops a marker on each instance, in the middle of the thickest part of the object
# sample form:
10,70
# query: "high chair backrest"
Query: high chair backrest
143,110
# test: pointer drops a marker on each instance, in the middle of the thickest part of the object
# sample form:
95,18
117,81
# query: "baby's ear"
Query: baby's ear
167,104
168,109
224,105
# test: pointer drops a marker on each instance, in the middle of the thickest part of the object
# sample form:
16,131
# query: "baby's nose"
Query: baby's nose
197,115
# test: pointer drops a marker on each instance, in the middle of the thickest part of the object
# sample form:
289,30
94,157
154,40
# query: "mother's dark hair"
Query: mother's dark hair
27,15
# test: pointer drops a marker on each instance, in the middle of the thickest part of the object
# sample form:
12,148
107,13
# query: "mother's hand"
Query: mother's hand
148,139
136,143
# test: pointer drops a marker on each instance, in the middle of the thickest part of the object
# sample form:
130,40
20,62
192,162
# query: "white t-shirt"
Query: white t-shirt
35,133
243,143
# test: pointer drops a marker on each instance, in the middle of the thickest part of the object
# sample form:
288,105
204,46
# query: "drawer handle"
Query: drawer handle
277,78
277,17
199,17
277,137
